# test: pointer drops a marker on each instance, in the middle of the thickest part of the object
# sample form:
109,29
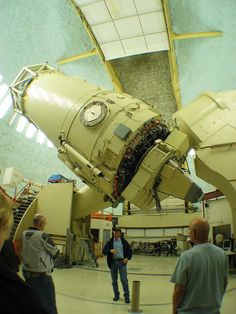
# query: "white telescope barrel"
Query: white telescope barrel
102,136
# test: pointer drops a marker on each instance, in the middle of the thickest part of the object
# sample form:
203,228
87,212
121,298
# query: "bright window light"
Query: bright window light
21,124
192,153
49,144
5,105
13,118
0,78
3,90
30,131
41,137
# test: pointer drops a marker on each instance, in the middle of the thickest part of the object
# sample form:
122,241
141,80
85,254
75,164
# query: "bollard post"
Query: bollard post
135,298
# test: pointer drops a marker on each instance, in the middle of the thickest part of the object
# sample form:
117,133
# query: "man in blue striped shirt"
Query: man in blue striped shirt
201,274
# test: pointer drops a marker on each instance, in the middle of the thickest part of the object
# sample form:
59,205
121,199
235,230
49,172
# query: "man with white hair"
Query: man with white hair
201,274
38,253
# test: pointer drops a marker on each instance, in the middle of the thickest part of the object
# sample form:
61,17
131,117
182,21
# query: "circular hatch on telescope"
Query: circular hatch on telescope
93,113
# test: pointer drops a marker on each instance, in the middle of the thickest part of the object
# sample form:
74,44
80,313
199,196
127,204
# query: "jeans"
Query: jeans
44,289
118,266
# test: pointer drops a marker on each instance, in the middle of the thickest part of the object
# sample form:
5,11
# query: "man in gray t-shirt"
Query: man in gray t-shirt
201,274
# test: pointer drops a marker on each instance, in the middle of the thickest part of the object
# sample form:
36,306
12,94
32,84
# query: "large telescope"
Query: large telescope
117,144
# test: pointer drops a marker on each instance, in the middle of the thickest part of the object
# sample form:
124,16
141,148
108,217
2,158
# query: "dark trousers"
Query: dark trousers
118,266
44,289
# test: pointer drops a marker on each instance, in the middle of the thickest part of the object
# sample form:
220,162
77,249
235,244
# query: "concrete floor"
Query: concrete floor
86,290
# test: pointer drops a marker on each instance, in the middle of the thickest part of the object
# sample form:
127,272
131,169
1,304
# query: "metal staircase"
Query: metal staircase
24,202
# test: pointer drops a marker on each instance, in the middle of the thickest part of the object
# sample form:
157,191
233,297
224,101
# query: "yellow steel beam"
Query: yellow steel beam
171,55
196,35
79,56
108,65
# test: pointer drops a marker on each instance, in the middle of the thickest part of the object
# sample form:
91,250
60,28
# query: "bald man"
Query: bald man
201,274
38,253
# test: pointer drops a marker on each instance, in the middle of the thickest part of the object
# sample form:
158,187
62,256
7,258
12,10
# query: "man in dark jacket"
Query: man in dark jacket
118,252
